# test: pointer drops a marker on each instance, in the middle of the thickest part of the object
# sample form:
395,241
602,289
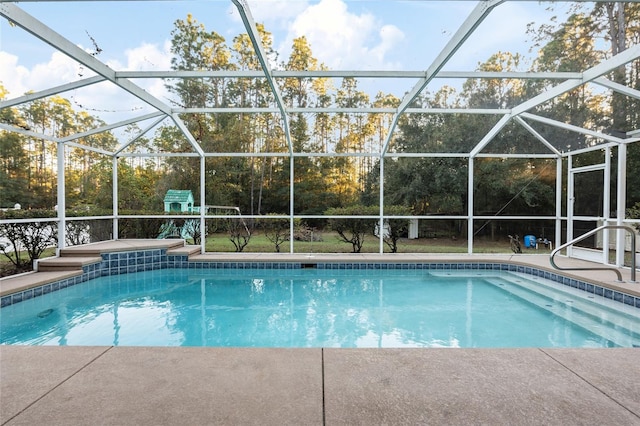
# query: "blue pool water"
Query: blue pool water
321,308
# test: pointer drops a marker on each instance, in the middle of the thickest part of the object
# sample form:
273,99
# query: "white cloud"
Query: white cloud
149,57
343,40
18,79
113,103
12,74
272,12
390,36
103,99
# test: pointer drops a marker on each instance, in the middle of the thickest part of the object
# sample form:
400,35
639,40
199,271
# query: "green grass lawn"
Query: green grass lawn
7,268
330,243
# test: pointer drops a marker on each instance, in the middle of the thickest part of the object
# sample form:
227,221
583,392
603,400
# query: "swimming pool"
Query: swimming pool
321,308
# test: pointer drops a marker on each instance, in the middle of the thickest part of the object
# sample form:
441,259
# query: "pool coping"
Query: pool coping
129,256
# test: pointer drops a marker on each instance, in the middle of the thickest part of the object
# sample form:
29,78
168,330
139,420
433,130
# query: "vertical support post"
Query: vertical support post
381,220
570,190
62,208
558,235
114,235
606,205
621,204
203,207
470,208
291,203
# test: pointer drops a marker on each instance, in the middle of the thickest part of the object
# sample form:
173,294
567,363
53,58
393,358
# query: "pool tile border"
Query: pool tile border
117,263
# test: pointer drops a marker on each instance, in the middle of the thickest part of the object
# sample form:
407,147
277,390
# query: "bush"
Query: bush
353,230
634,213
302,231
26,238
395,227
191,229
275,230
239,233
88,231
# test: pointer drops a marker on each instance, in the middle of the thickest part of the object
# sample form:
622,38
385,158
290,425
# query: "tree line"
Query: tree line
259,184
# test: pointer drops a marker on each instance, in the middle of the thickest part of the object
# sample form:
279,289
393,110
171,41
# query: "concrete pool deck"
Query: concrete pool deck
198,386
233,386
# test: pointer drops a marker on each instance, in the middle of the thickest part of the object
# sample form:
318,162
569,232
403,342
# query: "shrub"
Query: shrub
353,230
239,233
27,238
395,227
91,230
634,213
275,230
303,232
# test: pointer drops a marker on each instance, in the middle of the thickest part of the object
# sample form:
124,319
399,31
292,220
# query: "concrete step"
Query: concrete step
95,249
74,258
185,250
66,263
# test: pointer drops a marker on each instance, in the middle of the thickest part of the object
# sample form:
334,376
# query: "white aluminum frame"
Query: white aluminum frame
162,111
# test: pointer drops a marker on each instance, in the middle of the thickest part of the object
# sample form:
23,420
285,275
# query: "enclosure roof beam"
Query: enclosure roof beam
27,132
112,126
514,75
185,74
252,31
27,22
479,13
89,148
214,110
589,75
538,135
29,97
145,130
185,131
571,127
617,87
490,135
159,154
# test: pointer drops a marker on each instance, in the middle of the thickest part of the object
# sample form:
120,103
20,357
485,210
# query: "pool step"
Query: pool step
576,308
66,263
96,249
184,251
74,258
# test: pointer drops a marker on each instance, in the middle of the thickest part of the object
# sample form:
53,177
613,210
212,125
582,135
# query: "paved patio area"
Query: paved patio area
232,386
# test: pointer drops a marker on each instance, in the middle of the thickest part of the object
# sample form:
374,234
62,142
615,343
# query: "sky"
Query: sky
344,35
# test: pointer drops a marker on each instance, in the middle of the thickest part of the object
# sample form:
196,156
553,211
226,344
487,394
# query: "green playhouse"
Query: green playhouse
179,200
